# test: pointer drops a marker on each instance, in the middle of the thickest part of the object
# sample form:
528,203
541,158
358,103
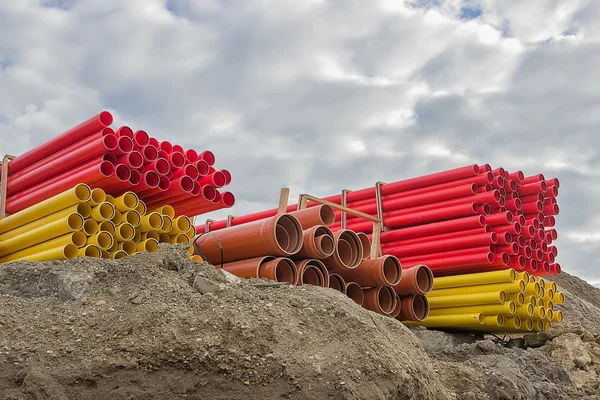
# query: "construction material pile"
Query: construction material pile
117,161
299,248
85,222
497,301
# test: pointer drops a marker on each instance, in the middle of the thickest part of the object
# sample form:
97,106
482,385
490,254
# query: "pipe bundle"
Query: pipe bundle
85,222
299,248
118,161
498,301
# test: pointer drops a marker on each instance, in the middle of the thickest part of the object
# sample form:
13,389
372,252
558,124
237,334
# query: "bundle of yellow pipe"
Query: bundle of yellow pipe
86,222
499,301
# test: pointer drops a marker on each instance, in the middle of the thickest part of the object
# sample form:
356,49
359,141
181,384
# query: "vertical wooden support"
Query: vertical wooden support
207,226
5,162
302,201
376,240
284,198
344,204
229,220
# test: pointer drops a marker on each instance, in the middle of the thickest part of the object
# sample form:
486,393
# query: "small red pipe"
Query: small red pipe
149,180
517,176
227,176
453,264
533,179
125,131
514,204
514,228
444,244
532,208
532,188
549,221
451,253
150,153
207,156
528,231
176,160
191,155
552,209
202,167
160,166
133,160
124,146
485,168
94,124
153,142
188,169
216,179
140,139
166,147
511,249
503,218
448,235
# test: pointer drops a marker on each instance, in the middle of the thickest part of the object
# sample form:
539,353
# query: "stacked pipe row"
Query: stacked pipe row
498,301
85,222
118,161
464,220
299,248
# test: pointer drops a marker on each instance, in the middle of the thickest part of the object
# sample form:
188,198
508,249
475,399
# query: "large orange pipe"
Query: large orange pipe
415,280
338,283
382,271
311,272
317,243
379,299
348,251
279,269
280,235
414,308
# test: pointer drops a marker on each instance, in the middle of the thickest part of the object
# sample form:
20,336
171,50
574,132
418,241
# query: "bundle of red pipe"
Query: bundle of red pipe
464,220
299,248
118,161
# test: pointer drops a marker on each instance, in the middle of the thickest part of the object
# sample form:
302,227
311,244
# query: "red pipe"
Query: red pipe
140,139
150,180
454,225
454,263
189,170
88,172
485,168
125,131
59,162
176,160
514,228
448,235
503,218
166,147
191,155
444,244
514,205
150,153
533,179
452,253
549,221
207,156
532,208
532,188
133,160
217,179
160,166
59,142
180,186
517,176
203,167
124,146
227,176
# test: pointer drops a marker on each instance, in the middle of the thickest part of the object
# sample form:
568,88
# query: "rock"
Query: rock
204,285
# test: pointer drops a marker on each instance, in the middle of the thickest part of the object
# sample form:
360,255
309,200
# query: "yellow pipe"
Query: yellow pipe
141,208
118,218
532,289
65,252
119,254
73,222
532,279
491,323
549,294
128,246
75,238
98,196
150,245
181,224
542,282
191,232
518,298
513,322
114,247
164,238
523,275
105,254
197,258
103,212
507,308
538,326
126,202
549,305
539,312
467,299
132,217
167,225
108,226
165,210
531,300
191,253
450,321
547,325
137,236
480,278
559,298
525,311
110,199
78,194
124,232
557,316
542,293
552,285
74,209
152,221
91,250
90,227
513,287
181,238
151,235
102,240
528,324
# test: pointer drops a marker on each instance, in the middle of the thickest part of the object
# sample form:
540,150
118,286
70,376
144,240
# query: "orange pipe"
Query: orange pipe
279,269
321,215
317,242
337,282
379,299
321,275
348,251
355,292
382,271
415,307
415,280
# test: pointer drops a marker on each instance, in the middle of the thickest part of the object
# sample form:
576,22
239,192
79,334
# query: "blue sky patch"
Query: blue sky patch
470,12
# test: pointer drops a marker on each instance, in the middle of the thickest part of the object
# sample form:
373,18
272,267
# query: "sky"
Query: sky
323,95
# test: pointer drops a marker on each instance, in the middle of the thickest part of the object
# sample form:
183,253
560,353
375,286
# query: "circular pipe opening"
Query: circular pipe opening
141,138
151,179
78,238
217,199
110,157
512,307
344,251
391,270
91,250
162,166
125,131
424,278
90,227
122,172
186,183
336,282
84,209
75,222
135,159
106,210
153,142
208,192
365,244
167,223
228,199
128,246
312,276
202,167
164,184
282,237
169,211
285,271
151,235
355,245
125,144
191,155
481,220
155,220
132,217
166,146
107,169
105,118
227,176
183,223
125,231
325,245
355,292
420,307
107,226
218,179
294,231
150,153
178,148
97,196
327,214
104,240
135,178
141,208
385,299
70,251
110,142
191,171
177,159
119,254
151,245
208,156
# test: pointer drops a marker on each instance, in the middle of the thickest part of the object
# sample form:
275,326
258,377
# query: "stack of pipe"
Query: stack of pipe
468,219
299,248
498,301
85,222
118,161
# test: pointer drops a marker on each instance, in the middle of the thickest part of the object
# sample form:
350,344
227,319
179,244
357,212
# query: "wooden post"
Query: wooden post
229,220
344,204
284,198
207,226
5,162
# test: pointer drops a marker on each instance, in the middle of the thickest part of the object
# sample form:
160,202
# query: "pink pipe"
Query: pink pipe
94,124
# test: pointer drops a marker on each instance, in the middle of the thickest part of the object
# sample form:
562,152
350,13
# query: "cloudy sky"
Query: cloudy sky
325,94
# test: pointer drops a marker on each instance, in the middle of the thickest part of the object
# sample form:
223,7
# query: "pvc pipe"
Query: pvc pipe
347,254
413,308
381,271
89,251
124,232
450,321
149,153
279,269
517,286
443,244
434,228
167,225
191,155
57,143
313,272
416,280
66,252
355,292
366,244
124,146
208,157
504,276
149,245
508,308
379,299
75,238
73,222
317,243
336,282
203,168
470,299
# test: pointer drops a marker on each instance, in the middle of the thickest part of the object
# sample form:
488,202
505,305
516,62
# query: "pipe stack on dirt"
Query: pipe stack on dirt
85,222
499,301
299,248
118,161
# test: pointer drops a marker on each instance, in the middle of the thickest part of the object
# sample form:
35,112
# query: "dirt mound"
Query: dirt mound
159,325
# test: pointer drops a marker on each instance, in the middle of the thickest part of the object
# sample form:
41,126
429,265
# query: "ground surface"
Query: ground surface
140,328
